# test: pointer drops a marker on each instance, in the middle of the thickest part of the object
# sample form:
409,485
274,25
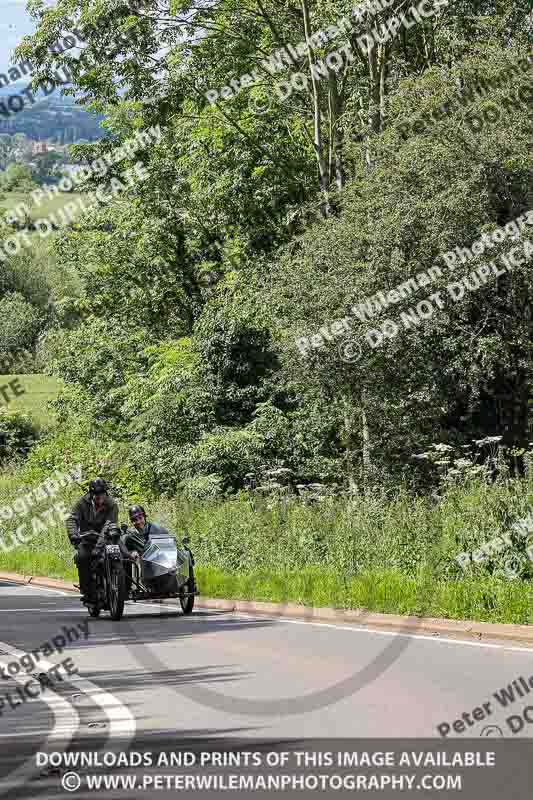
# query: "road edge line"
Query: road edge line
446,627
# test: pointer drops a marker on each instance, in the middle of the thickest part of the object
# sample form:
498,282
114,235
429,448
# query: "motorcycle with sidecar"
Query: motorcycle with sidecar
163,571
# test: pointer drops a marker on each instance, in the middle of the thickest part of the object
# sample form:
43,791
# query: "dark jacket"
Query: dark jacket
137,540
84,517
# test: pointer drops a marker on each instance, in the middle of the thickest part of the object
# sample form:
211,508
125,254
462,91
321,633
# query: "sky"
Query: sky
14,24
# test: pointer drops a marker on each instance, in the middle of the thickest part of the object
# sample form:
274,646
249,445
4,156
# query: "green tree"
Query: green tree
229,185
465,371
46,164
21,323
17,178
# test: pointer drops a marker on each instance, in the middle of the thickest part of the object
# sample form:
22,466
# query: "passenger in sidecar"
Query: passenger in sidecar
160,568
136,538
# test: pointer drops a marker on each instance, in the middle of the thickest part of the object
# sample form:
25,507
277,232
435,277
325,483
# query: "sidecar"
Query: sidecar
164,571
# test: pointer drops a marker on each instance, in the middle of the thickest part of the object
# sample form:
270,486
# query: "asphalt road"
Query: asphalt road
218,677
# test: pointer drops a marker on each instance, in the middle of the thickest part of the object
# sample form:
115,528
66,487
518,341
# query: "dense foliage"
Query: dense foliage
18,434
263,219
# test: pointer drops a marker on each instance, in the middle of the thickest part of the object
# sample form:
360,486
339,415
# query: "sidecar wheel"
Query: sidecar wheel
187,604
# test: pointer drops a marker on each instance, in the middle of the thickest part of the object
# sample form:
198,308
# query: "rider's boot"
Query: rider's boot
89,595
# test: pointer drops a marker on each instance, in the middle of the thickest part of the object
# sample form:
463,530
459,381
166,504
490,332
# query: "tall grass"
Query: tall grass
394,557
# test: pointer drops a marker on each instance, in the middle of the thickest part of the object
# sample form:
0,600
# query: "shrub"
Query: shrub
18,434
21,323
203,487
98,456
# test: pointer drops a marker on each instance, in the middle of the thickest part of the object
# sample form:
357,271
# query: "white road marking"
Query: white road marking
66,723
359,629
121,720
53,591
36,586
46,610
441,639
425,637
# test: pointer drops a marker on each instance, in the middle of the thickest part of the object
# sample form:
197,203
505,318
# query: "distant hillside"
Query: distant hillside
15,88
18,86
55,117
38,391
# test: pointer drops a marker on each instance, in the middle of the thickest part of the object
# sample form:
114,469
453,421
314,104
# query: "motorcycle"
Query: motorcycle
108,577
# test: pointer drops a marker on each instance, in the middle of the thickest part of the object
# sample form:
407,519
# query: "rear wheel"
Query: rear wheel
117,590
187,603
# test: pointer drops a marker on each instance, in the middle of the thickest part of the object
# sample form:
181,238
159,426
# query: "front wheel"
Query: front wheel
187,603
117,591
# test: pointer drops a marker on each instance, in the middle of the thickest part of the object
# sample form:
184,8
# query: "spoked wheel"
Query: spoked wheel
117,591
187,603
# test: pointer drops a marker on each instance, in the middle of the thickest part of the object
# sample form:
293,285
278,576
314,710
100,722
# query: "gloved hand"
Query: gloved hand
75,539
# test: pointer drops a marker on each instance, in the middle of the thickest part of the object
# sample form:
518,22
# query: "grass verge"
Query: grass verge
384,591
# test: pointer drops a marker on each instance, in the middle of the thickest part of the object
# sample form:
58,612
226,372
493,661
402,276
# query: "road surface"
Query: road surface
217,676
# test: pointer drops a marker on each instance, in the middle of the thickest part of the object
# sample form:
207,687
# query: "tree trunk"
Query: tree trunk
336,167
350,446
365,433
317,116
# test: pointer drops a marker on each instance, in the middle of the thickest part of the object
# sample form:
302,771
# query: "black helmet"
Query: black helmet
134,510
97,486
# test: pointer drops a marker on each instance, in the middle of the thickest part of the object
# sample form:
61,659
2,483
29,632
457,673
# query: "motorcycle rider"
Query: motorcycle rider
91,513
